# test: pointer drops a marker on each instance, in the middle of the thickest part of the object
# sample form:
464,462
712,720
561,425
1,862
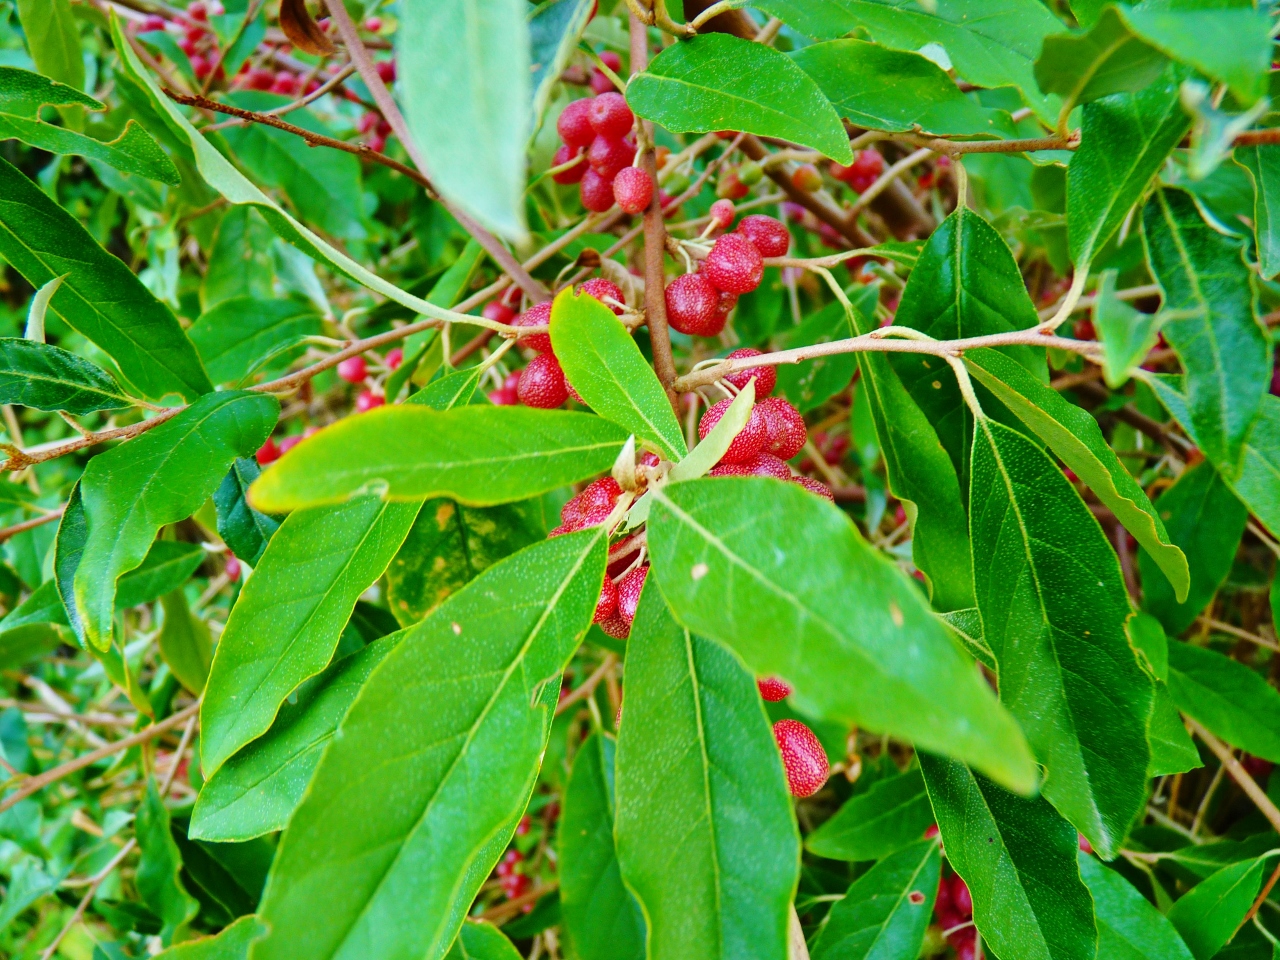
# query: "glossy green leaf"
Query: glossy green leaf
242,528
474,144
286,623
53,39
1210,914
46,377
482,941
236,336
454,390
159,477
1054,606
600,919
871,825
157,878
1124,140
231,943
784,579
167,566
20,645
555,27
1127,334
1109,58
1227,42
1223,347
700,784
185,642
257,789
447,546
384,858
1205,520
995,48
1263,164
884,914
240,260
478,455
884,89
1018,858
812,383
1128,926
1075,437
718,82
42,605
100,297
1172,749
605,366
1230,699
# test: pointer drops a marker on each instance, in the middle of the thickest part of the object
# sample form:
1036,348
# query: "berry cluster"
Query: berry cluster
865,170
954,908
515,882
601,146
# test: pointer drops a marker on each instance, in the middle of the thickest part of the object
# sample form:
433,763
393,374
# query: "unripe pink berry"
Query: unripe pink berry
607,605
766,376
542,383
595,192
785,426
633,189
153,22
373,24
609,157
604,291
816,487
394,358
539,315
502,397
573,174
611,60
806,177
722,213
774,689
770,236
198,10
802,756
693,306
353,369
750,439
600,82
231,567
574,124
288,443
610,116
734,264
368,400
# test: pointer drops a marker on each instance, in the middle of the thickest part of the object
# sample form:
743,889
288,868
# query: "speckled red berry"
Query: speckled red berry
767,465
604,291
610,116
750,439
816,487
593,505
787,433
502,397
353,370
607,605
729,470
734,264
542,383
368,400
802,756
774,689
766,376
722,213
574,124
770,236
498,312
539,315
693,306
629,588
574,173
610,157
596,192
633,189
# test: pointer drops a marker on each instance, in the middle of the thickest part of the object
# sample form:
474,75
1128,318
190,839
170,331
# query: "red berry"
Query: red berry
394,358
609,157
767,465
510,860
610,116
931,832
769,235
693,306
574,124
868,163
595,192
750,439
288,443
267,453
539,315
260,79
201,66
960,897
774,689
387,71
802,756
1084,330
600,82
734,264
502,397
232,569
806,177
816,486
633,189
572,174
542,383
612,61
729,470
197,10
629,588
722,213
604,291
153,22
840,172
766,376
1083,843
353,369
373,24
593,505
730,187
368,400
648,459
377,143
785,426
498,312
285,83
607,605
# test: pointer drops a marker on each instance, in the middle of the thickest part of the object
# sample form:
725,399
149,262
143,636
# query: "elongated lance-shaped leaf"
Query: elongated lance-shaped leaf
785,579
49,378
1075,437
54,39
886,911
1054,605
286,623
600,918
893,814
1263,164
1228,697
1128,926
606,367
256,790
423,785
240,335
1018,858
185,642
554,31
160,477
100,297
477,455
694,723
157,879
1127,334
1223,347
1210,914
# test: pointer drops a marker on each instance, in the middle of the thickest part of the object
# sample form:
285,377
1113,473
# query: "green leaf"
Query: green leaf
784,579
1128,926
240,259
1224,349
600,919
160,477
1075,437
447,546
238,335
21,645
256,791
891,815
1054,606
242,528
884,914
1205,519
1018,858
482,941
454,390
1109,59
49,378
1263,164
606,367
43,605
1209,915
100,297
1124,140
384,858
475,143
185,642
717,82
1230,699
992,47
555,27
231,943
885,89
53,39
290,614
157,877
1126,334
480,456
1172,749
1226,42
701,784
812,383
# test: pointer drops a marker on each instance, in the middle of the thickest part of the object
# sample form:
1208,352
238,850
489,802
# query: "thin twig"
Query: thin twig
1238,773
589,686
335,81
1261,897
1235,631
26,525
499,914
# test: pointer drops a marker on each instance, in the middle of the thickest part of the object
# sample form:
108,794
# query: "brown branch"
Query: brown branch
1238,773
1265,892
504,911
26,525
589,686
18,459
